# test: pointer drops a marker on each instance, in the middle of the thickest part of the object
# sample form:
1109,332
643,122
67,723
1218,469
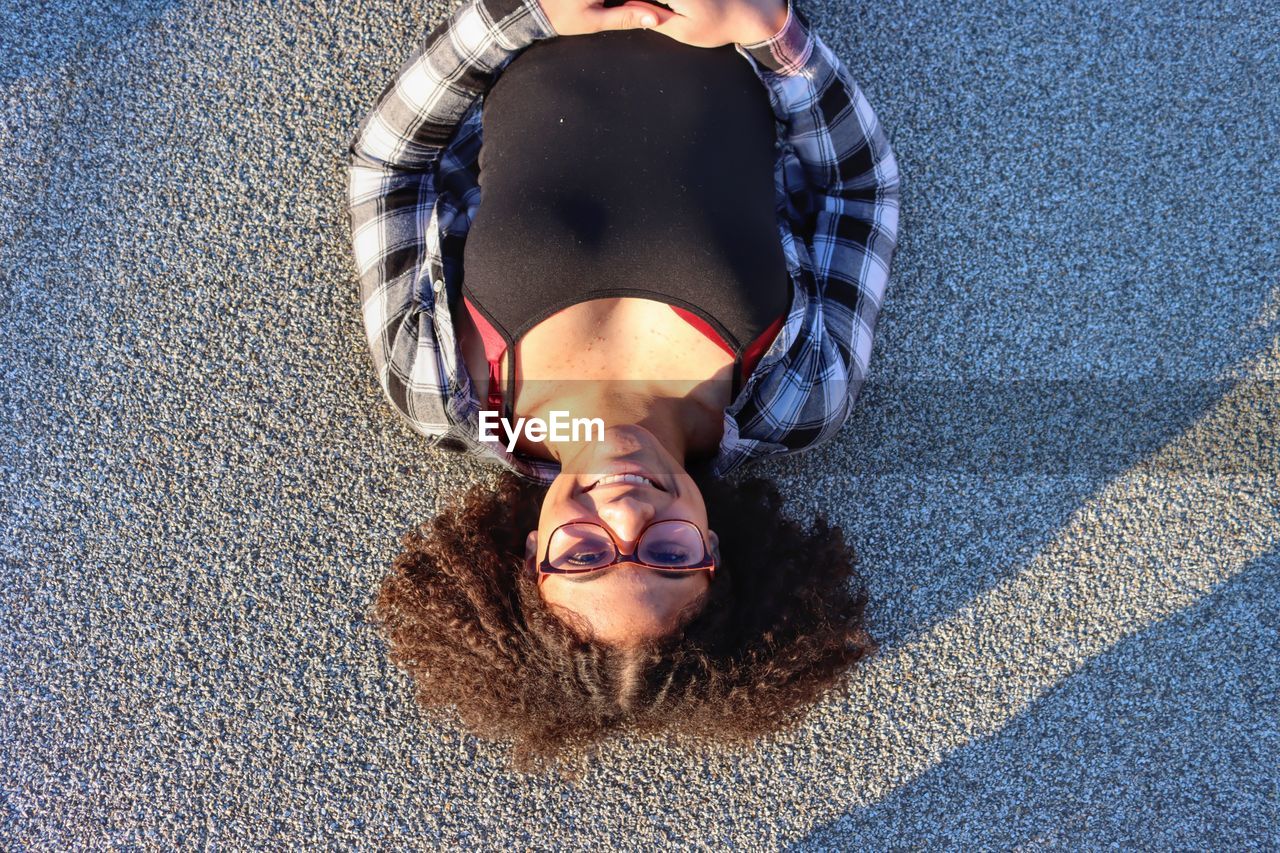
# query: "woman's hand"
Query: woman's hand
712,23
701,23
582,17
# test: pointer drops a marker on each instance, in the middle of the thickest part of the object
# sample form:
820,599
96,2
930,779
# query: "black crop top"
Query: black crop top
625,163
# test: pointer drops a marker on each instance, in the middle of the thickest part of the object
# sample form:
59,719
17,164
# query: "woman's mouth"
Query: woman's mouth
635,479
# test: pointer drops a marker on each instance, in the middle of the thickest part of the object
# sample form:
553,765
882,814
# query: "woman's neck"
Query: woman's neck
682,424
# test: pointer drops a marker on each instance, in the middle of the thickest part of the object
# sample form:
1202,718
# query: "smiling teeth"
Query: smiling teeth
624,478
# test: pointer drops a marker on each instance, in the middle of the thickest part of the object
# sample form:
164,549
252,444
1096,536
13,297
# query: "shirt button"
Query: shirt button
438,285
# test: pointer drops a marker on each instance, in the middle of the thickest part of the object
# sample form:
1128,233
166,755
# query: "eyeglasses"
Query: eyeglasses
672,545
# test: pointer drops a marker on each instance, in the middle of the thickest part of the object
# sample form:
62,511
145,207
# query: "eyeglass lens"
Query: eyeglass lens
585,545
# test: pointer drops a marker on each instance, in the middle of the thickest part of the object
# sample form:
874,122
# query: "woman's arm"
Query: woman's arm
850,230
393,187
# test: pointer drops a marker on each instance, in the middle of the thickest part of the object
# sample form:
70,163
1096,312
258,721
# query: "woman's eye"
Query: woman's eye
668,556
585,558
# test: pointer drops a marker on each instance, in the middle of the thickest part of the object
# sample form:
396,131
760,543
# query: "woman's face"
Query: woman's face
626,603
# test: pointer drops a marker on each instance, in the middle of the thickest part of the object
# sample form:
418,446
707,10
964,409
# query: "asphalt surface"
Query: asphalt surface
1063,481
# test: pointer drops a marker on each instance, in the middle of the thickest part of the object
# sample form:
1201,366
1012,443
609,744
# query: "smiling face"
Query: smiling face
625,483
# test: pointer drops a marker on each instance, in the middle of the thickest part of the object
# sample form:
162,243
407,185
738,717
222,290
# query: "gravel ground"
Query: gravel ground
1062,482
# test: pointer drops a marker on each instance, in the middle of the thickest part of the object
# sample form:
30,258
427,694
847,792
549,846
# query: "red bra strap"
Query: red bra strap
754,351
703,326
494,348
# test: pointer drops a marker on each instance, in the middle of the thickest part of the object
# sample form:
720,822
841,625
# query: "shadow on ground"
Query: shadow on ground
1163,742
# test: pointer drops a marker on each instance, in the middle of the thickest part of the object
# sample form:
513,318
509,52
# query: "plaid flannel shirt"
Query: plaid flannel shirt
414,190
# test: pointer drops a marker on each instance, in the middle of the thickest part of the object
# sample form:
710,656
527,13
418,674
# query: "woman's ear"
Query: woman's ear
714,541
531,545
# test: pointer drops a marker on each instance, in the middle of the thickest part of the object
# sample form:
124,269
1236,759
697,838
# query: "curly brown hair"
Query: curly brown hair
780,625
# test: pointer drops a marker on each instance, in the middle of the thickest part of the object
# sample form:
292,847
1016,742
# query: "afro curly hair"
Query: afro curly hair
463,617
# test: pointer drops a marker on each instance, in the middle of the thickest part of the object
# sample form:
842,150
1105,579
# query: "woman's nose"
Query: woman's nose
627,517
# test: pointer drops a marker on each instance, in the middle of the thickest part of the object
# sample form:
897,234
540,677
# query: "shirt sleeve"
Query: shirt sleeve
849,228
394,184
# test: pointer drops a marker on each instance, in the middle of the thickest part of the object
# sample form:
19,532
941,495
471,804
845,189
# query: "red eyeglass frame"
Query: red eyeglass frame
707,563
